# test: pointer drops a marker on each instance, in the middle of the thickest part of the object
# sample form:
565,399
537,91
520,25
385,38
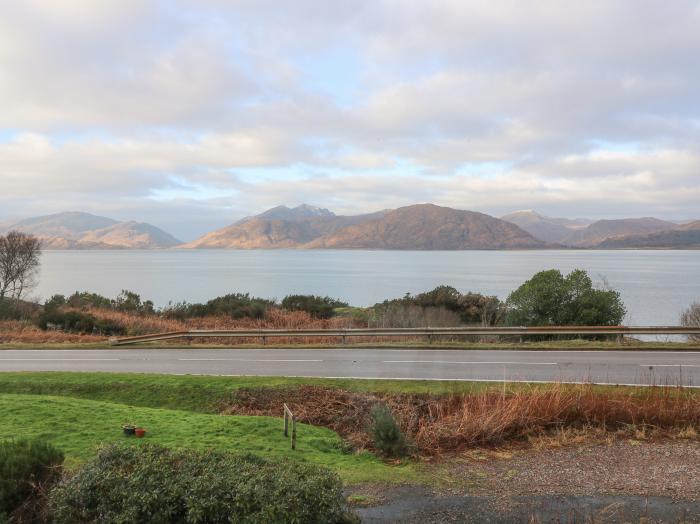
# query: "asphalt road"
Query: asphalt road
606,367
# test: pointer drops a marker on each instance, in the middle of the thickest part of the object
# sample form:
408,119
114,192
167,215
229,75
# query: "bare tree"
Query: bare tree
691,318
19,264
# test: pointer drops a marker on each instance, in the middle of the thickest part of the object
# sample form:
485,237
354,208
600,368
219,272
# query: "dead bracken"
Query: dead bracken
438,424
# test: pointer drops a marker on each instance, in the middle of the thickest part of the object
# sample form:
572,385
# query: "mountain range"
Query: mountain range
76,230
419,227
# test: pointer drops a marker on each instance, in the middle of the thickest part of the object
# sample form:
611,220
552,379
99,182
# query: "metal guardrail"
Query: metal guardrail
264,334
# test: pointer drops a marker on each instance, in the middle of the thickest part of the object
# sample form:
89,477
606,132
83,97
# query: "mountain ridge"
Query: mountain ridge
80,230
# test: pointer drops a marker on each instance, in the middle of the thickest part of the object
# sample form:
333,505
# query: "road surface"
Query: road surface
605,367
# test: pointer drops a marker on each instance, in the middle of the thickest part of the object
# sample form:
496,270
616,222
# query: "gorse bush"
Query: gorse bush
386,433
443,304
26,468
317,307
77,322
127,301
160,485
234,305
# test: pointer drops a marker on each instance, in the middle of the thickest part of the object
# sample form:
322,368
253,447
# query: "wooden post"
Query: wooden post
287,416
264,340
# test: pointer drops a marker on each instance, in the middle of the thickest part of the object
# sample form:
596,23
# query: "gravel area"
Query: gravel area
621,481
665,469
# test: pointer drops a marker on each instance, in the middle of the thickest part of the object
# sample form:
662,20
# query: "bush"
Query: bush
400,315
234,305
156,484
78,322
691,318
550,299
388,437
317,307
26,469
469,308
84,300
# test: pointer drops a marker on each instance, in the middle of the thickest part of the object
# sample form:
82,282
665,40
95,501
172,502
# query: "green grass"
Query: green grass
204,394
78,427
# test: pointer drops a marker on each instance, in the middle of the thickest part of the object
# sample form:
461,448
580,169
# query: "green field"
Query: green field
79,426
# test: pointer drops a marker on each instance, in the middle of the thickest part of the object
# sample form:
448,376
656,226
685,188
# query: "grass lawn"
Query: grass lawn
203,394
79,426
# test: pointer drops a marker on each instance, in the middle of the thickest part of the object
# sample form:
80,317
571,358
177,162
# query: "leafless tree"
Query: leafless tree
691,318
19,264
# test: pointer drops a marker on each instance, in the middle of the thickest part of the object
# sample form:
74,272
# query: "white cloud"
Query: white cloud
583,108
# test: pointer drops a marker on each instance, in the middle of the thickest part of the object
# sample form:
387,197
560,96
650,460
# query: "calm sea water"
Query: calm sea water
655,285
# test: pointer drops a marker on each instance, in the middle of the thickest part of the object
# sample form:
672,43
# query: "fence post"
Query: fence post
287,416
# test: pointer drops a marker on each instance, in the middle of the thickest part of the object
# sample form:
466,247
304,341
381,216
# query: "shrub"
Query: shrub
317,307
400,315
156,484
691,318
26,469
468,308
234,305
77,322
388,437
84,300
551,299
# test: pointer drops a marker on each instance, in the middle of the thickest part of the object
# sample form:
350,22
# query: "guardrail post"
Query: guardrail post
264,340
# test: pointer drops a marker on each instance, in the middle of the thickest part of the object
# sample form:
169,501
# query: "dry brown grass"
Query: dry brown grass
556,415
12,331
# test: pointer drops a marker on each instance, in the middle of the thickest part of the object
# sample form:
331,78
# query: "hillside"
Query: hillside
427,226
75,230
267,231
292,214
686,236
424,226
547,229
602,230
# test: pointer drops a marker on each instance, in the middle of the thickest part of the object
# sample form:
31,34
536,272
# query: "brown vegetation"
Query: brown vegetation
24,332
450,423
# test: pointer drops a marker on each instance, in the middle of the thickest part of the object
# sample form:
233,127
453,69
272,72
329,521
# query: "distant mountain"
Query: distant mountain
302,212
71,225
603,230
268,231
136,235
75,230
686,236
690,226
423,226
430,227
548,229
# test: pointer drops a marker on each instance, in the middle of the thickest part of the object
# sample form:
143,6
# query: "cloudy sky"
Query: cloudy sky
191,114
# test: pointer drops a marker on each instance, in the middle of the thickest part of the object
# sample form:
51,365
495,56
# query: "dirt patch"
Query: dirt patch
439,424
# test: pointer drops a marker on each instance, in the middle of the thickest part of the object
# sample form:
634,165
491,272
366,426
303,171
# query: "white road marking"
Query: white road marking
669,365
55,359
466,362
251,360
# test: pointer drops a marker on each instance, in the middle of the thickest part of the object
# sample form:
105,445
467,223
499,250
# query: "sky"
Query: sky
193,114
